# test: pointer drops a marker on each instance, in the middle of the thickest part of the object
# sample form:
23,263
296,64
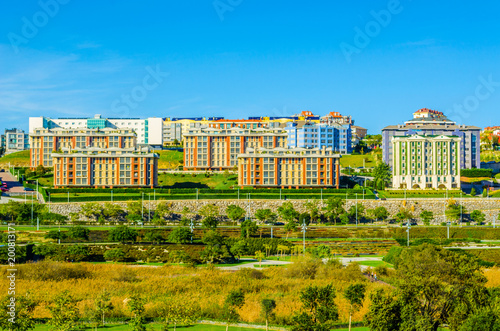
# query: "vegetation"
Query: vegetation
17,159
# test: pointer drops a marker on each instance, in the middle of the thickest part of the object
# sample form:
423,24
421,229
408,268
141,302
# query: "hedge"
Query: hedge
474,172
205,191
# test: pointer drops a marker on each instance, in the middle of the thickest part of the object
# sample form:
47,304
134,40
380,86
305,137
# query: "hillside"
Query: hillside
18,159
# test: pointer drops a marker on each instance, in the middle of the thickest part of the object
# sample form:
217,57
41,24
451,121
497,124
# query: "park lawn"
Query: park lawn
356,161
170,159
473,179
17,159
374,264
214,181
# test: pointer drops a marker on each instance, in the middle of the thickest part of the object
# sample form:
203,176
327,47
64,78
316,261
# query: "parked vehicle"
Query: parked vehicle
28,189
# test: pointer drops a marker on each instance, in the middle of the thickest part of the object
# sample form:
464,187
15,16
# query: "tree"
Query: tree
163,210
216,249
154,236
312,207
381,213
267,305
355,294
113,211
287,212
77,252
382,172
103,305
239,248
404,215
91,210
179,312
334,208
79,232
260,256
122,233
114,254
384,313
22,318
357,210
134,211
210,214
478,216
289,227
426,216
264,215
180,235
318,309
136,306
40,170
248,228
235,299
56,235
53,218
453,210
64,312
235,213
473,192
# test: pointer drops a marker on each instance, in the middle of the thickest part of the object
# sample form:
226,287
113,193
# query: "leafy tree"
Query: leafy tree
312,206
264,215
384,313
485,192
478,216
210,214
216,249
79,232
267,305
355,294
134,211
239,248
235,299
113,211
381,213
426,216
235,213
77,252
103,305
55,234
154,236
321,252
248,228
473,192
179,312
64,312
20,320
382,172
260,256
180,235
91,210
136,306
318,309
403,215
357,209
334,208
163,210
40,170
115,255
290,227
122,233
287,212
54,218
484,320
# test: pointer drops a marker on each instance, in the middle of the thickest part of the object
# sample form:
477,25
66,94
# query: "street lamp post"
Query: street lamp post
111,195
356,209
408,233
68,197
142,207
460,208
32,209
448,232
304,228
191,226
149,208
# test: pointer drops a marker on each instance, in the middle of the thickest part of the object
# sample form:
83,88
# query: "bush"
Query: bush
474,172
392,256
115,255
55,271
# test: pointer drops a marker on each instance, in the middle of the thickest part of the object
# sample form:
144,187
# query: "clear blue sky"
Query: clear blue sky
239,58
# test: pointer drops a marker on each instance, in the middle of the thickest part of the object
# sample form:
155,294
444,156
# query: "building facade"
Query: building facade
15,140
319,135
289,168
213,149
46,141
426,162
148,131
105,167
357,133
431,122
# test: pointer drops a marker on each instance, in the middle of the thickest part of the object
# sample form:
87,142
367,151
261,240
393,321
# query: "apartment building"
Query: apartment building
335,117
357,133
46,141
426,161
214,149
289,168
14,140
305,134
175,127
149,131
431,122
105,167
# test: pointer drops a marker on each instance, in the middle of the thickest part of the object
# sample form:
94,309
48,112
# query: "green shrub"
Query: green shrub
474,172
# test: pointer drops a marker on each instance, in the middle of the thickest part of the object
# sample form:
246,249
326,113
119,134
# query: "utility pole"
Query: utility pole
191,226
408,233
304,228
460,208
111,195
356,209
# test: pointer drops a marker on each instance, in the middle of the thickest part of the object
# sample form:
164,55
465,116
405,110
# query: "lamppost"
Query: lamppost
142,207
356,209
32,209
191,226
408,233
196,194
111,195
304,228
68,197
448,228
460,208
149,208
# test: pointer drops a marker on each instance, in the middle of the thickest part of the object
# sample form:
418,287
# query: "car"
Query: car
4,189
2,170
28,189
279,223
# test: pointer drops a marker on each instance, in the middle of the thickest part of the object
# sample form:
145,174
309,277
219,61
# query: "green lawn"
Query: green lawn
18,159
214,181
170,159
374,264
490,156
355,161
158,327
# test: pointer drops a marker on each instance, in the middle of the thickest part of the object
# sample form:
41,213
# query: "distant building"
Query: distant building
305,134
289,168
426,161
357,133
431,122
15,140
214,149
337,118
105,167
149,131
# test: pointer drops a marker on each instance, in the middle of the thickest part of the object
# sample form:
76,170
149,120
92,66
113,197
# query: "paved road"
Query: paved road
253,264
12,184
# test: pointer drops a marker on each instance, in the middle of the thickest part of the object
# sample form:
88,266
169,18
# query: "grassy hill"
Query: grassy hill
355,161
18,159
170,159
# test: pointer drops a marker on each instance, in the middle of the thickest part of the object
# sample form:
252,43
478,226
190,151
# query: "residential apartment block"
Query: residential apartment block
289,168
14,140
148,131
105,167
305,134
424,162
431,122
213,149
46,141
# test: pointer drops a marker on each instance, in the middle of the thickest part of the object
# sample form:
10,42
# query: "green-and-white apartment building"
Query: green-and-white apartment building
426,162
